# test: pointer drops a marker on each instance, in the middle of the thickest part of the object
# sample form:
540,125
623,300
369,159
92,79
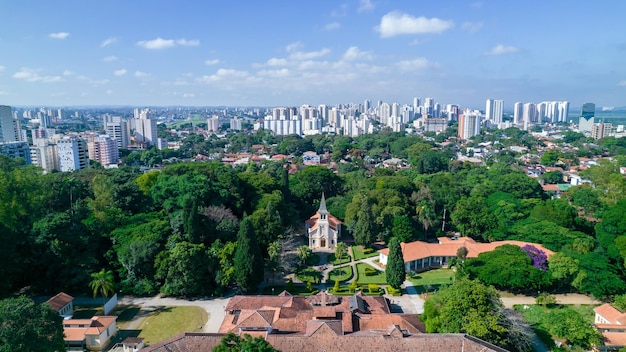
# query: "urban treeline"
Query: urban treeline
184,229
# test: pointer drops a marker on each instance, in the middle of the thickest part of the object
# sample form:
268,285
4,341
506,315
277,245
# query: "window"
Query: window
313,241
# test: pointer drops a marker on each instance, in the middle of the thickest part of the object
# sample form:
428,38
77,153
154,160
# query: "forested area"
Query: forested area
197,228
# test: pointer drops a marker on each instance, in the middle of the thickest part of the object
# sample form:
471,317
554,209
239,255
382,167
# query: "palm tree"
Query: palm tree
103,282
304,252
340,250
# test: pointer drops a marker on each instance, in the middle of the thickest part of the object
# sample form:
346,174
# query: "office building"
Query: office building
587,116
529,115
429,106
72,153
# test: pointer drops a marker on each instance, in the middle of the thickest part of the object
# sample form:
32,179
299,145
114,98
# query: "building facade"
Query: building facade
323,229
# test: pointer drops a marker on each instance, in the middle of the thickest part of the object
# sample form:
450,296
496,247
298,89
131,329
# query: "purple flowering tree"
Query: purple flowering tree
539,257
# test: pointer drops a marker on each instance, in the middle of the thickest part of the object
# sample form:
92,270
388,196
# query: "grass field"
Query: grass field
357,251
340,274
362,279
432,277
167,322
333,260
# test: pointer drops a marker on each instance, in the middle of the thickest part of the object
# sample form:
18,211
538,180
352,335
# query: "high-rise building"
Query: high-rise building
213,123
16,150
72,153
600,130
518,112
469,124
104,150
587,114
145,128
416,104
429,106
118,129
493,110
10,128
529,115
44,155
563,111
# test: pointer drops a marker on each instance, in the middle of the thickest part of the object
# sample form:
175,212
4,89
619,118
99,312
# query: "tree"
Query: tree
546,299
395,272
469,307
248,259
303,253
552,177
185,269
341,250
234,343
26,326
402,228
103,282
365,227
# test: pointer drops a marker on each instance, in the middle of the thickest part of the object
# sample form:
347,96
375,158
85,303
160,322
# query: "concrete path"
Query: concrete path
566,298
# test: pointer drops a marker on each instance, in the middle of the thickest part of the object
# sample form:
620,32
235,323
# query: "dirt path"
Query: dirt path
567,298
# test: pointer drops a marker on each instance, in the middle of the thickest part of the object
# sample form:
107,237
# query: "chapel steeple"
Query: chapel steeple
322,210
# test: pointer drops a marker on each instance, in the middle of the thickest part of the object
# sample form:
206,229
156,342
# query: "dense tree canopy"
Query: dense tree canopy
26,326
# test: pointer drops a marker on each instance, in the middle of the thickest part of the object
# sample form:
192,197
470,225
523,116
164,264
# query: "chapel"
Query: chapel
322,228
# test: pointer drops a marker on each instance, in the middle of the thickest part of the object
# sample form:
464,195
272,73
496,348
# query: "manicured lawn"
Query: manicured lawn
362,279
340,274
307,274
358,252
432,277
333,260
166,322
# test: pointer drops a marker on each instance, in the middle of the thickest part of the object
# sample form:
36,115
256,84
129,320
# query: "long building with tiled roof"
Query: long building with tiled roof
420,255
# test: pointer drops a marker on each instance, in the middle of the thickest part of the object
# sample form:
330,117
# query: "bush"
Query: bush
369,271
368,250
352,287
394,292
546,299
373,288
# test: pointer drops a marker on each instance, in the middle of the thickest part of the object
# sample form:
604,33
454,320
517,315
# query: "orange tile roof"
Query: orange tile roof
610,313
94,326
614,338
448,247
333,222
60,300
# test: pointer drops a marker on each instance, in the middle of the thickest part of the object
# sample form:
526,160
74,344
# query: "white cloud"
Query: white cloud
276,62
3,92
622,83
120,72
110,58
398,23
212,62
140,74
2,68
189,95
501,50
223,73
419,63
365,5
332,26
32,75
353,53
160,43
293,46
108,42
472,27
283,72
109,91
59,35
68,73
300,55
185,42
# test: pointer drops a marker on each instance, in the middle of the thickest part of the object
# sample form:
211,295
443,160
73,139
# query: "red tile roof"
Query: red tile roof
60,300
448,247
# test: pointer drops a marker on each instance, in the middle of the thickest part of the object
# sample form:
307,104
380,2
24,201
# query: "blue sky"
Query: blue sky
279,52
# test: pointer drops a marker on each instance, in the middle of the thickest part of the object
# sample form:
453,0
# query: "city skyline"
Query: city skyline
155,53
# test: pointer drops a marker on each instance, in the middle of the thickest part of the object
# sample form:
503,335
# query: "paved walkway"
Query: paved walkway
566,298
